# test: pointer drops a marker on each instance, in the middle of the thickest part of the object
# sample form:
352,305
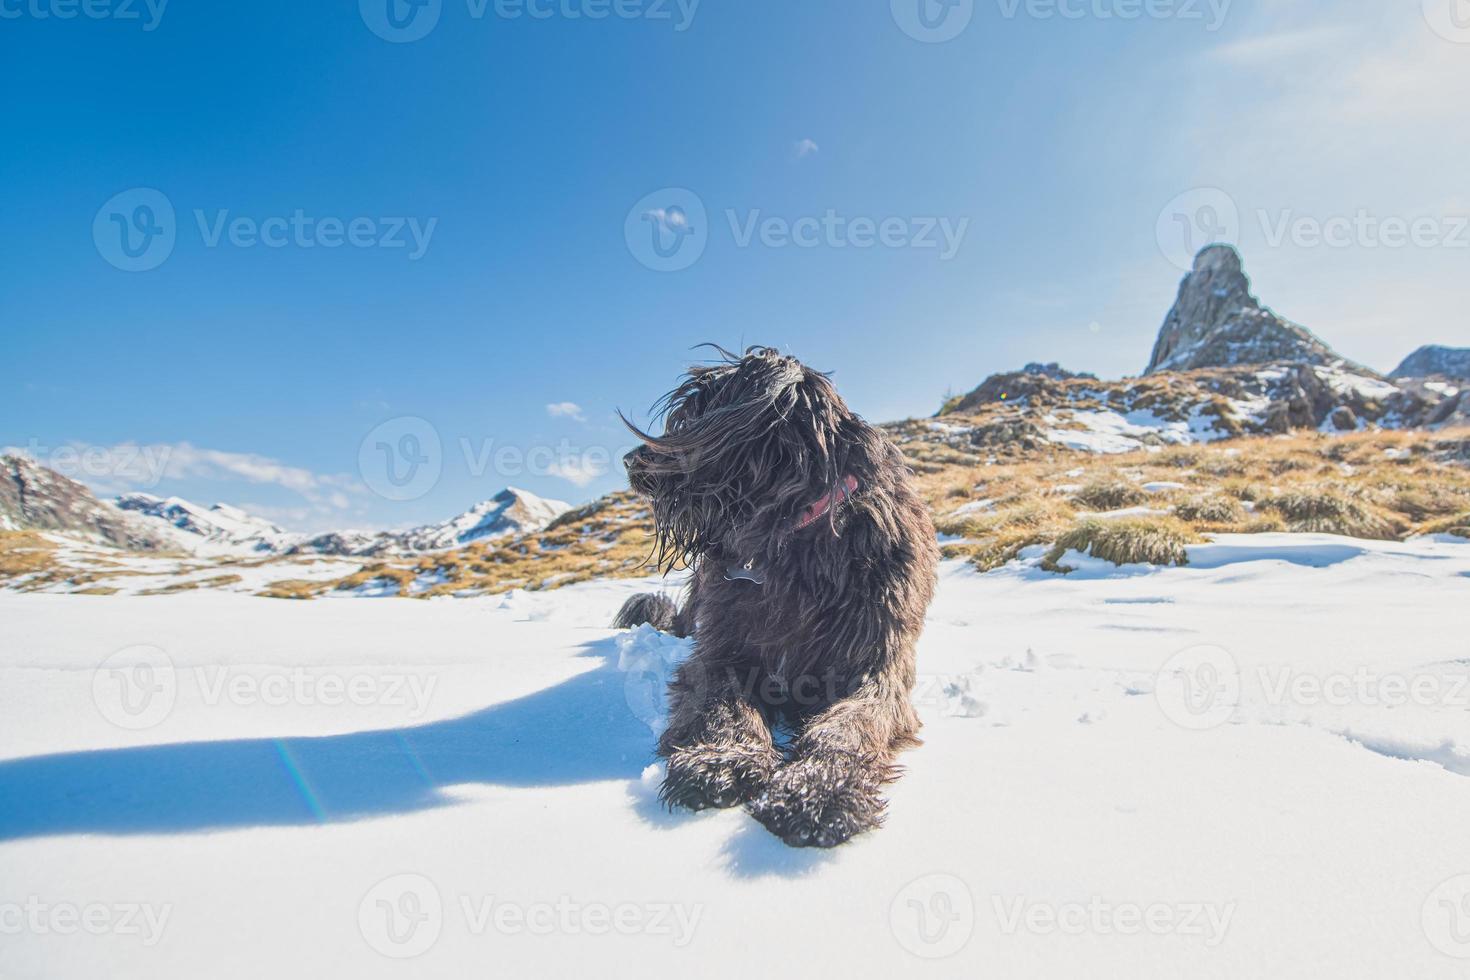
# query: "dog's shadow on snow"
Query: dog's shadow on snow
578,731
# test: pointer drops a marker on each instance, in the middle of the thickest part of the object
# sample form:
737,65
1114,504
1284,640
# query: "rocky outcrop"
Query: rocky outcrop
1434,361
1033,382
1216,322
35,498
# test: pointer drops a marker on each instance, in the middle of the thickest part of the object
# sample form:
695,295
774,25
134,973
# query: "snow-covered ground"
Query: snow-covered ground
1253,766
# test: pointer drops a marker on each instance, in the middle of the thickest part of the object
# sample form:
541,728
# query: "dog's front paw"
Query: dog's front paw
703,776
822,801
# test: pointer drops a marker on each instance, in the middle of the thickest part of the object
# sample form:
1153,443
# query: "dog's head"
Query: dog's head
749,442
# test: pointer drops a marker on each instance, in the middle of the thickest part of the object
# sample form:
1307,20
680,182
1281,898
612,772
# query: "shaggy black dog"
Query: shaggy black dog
813,564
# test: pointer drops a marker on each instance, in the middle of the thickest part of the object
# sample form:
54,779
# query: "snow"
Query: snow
1345,383
1110,432
1250,766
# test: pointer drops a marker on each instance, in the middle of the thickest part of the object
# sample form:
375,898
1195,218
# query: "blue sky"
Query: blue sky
458,228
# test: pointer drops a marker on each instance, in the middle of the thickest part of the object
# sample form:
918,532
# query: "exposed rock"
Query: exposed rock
1034,381
1216,322
1343,419
35,498
1434,361
1016,433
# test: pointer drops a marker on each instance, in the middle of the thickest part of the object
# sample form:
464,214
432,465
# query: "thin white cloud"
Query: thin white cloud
134,466
1277,45
580,472
805,148
566,410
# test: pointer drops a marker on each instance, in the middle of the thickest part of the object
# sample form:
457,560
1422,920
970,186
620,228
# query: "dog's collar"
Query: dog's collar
750,572
822,507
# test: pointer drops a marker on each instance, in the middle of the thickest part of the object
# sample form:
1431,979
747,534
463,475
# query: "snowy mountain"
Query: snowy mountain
36,498
220,526
1216,322
511,511
1434,361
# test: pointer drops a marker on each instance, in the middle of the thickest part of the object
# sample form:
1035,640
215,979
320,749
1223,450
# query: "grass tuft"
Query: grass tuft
1132,541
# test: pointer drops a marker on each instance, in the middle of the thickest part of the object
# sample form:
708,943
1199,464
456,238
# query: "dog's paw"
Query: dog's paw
702,777
822,801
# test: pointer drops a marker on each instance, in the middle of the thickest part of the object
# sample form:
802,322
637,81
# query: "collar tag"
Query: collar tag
745,573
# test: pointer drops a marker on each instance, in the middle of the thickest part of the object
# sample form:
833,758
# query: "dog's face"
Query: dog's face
748,443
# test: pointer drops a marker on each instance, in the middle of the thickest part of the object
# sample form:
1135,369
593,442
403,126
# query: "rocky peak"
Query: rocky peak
1216,322
35,498
1434,361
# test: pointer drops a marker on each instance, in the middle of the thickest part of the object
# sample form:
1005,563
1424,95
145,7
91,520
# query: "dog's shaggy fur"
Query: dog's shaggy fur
810,626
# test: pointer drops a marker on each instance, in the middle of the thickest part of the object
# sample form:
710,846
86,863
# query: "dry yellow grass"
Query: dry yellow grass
1125,541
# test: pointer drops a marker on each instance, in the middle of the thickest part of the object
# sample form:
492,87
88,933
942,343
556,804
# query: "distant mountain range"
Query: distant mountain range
1224,365
33,497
